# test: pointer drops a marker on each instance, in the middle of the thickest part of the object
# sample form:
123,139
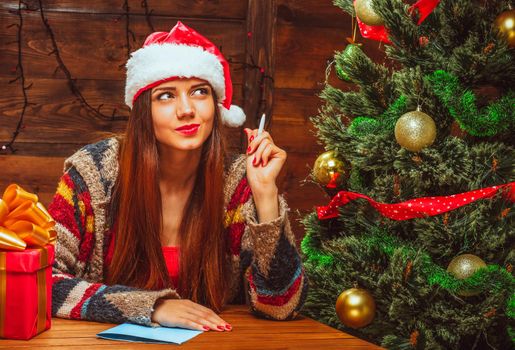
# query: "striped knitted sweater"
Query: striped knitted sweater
266,267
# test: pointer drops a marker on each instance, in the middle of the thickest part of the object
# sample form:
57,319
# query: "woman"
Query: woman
152,227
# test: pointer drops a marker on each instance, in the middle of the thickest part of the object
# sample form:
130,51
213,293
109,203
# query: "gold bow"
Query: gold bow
24,220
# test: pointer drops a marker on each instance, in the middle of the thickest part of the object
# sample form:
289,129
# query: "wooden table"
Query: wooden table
248,332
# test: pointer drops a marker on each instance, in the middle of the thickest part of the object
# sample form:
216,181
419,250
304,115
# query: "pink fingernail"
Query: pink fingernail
206,328
220,328
254,161
248,150
251,138
228,327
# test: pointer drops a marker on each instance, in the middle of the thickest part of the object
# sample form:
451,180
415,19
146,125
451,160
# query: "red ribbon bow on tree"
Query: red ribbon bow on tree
379,33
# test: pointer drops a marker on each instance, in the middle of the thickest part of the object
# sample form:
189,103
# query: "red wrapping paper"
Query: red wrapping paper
26,301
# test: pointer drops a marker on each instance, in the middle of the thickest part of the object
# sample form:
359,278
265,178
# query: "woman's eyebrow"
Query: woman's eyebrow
201,84
173,87
164,89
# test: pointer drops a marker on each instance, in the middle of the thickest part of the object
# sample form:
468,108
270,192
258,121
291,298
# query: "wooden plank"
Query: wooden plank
235,9
295,136
38,149
94,46
300,192
38,175
295,106
314,13
295,184
303,53
258,91
57,116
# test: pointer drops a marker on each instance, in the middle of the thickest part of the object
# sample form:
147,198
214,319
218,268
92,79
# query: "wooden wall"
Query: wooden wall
91,38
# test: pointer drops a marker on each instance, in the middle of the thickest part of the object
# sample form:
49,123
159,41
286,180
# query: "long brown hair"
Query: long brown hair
136,208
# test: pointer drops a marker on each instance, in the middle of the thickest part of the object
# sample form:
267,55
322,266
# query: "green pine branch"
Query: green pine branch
496,118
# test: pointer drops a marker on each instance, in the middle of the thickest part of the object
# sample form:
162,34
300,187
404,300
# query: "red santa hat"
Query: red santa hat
181,53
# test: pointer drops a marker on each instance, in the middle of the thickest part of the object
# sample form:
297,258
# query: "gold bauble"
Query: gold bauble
356,308
415,130
366,14
505,24
464,266
328,169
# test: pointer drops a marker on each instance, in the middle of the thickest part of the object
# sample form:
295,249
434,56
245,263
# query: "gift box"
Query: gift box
26,257
26,292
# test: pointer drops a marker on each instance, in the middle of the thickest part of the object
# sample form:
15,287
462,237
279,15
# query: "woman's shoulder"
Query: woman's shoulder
96,153
96,163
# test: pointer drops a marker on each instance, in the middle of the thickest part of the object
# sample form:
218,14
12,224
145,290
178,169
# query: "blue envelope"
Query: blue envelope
155,335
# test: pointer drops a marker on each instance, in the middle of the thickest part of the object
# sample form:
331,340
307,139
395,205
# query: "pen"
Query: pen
261,124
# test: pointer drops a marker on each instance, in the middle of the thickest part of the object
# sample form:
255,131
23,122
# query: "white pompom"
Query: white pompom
233,117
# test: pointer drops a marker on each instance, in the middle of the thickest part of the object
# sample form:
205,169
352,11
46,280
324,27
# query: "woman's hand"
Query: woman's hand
264,163
264,160
185,313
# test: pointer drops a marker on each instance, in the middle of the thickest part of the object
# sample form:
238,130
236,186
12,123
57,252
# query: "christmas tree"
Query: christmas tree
414,248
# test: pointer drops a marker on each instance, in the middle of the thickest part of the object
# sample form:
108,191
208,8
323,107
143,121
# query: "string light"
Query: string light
71,81
148,13
263,78
21,77
128,32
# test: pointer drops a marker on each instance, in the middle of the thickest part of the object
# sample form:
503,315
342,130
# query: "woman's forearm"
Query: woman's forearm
267,203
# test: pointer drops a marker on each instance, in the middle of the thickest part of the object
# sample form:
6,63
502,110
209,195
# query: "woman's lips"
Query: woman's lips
190,129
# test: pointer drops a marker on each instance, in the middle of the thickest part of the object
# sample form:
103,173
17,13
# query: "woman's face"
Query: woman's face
183,112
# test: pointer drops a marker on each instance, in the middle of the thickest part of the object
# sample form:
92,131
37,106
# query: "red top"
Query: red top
171,255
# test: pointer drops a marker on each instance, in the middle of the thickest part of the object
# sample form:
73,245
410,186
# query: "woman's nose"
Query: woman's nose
184,107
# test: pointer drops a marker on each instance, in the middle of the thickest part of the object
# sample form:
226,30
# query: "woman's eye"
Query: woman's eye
164,96
203,91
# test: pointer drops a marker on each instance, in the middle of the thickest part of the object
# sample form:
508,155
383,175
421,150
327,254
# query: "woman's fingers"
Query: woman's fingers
209,317
259,151
267,153
254,140
185,322
208,313
203,322
207,322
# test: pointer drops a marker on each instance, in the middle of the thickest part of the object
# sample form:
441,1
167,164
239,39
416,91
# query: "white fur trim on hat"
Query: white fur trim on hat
232,117
157,62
